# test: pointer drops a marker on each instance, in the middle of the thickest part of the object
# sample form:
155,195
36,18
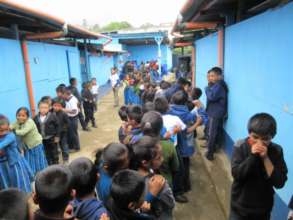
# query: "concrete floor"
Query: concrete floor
203,203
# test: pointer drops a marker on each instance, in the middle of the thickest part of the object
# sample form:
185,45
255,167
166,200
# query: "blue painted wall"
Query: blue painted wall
13,92
258,70
100,67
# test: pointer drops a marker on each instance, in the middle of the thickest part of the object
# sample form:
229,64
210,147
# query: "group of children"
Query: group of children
149,170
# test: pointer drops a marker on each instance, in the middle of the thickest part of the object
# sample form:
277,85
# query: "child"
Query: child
125,128
258,167
85,176
48,126
134,115
17,169
147,156
127,196
111,159
88,104
53,192
63,124
186,143
14,205
95,92
26,129
152,124
164,85
60,90
216,109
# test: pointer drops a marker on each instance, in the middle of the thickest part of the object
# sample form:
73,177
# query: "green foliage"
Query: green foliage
187,51
115,26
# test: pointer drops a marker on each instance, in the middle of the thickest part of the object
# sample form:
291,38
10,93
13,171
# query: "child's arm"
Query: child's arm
214,92
26,128
166,196
195,125
7,140
156,184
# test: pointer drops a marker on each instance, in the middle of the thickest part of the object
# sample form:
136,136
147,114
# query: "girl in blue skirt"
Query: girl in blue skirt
15,171
26,129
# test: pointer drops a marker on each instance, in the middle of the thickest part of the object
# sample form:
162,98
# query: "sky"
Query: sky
136,12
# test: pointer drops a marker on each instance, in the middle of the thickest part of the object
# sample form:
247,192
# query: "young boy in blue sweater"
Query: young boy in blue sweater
216,93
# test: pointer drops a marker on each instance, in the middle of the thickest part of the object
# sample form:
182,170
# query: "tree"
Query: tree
95,28
147,25
115,26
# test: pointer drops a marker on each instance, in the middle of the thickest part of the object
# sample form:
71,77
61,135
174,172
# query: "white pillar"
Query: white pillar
159,40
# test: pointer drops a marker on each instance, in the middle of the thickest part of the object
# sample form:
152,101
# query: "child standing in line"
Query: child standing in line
124,128
48,126
258,167
95,92
64,124
88,104
19,173
27,130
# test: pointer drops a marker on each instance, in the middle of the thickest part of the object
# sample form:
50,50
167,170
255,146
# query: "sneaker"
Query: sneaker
181,199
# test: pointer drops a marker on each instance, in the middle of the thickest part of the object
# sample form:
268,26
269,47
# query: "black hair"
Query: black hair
53,188
14,205
144,149
127,186
134,112
25,109
123,113
179,98
68,91
3,120
182,81
216,70
84,175
196,93
43,102
46,98
61,89
161,105
164,85
58,100
262,124
72,80
148,106
152,124
112,156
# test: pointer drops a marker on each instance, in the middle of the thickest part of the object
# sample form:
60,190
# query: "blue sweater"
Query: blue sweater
103,186
8,144
217,99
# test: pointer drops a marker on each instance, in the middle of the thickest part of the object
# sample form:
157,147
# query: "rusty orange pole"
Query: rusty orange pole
193,63
221,42
28,77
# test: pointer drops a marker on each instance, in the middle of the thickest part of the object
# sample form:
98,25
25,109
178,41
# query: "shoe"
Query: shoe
86,129
95,126
181,199
209,157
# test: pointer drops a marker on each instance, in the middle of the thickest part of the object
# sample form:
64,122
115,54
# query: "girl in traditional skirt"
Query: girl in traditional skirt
15,171
26,129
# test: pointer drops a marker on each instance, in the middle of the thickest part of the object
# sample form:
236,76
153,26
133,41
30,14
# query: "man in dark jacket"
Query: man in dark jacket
216,93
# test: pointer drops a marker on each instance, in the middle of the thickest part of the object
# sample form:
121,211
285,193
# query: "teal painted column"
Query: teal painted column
159,40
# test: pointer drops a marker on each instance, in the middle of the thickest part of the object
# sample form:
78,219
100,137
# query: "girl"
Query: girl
111,159
26,129
147,156
18,172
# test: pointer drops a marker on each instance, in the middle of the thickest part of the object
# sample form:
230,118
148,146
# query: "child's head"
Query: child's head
196,93
123,113
215,74
53,189
60,90
67,93
94,81
161,105
4,125
179,98
22,114
263,127
57,104
73,81
147,154
47,99
164,85
14,205
148,106
44,107
84,175
114,157
128,189
152,124
134,115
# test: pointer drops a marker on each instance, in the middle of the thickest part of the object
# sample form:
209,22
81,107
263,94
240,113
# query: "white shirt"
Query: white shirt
114,79
172,121
43,118
95,89
72,104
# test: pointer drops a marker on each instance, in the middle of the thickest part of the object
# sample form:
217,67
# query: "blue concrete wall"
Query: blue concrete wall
13,92
258,70
100,67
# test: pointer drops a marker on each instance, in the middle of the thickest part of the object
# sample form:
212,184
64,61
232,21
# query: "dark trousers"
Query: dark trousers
81,119
64,145
89,113
51,151
215,134
73,138
96,102
234,215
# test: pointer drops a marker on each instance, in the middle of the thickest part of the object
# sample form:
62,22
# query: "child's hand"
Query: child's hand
56,140
104,216
197,103
259,148
177,129
145,207
290,215
167,135
156,183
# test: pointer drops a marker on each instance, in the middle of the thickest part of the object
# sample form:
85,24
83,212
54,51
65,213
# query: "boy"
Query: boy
64,124
88,104
95,92
14,205
85,176
216,93
258,167
127,196
60,90
134,116
114,78
124,128
53,192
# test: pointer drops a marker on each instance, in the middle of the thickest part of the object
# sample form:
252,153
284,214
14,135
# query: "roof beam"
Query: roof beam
199,25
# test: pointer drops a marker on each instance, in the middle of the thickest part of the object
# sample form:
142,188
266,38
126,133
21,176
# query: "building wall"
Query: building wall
258,70
100,67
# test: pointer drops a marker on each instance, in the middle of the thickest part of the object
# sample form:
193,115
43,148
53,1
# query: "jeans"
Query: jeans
51,151
215,134
89,113
81,120
73,138
64,145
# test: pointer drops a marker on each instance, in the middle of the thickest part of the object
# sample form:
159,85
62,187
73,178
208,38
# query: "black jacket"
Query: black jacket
39,216
51,128
76,93
252,190
63,121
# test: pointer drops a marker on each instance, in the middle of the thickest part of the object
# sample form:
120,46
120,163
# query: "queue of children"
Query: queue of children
149,170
